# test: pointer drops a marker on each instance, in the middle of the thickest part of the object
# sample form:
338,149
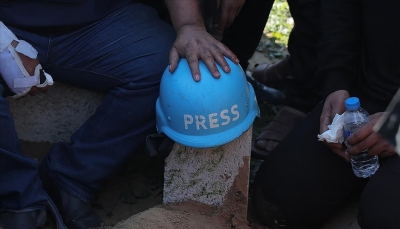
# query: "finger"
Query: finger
361,137
219,58
208,59
325,119
376,115
387,154
34,91
43,89
346,156
173,59
362,145
228,53
324,122
342,153
194,67
382,148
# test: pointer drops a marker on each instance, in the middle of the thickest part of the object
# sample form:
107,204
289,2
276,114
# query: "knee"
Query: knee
374,213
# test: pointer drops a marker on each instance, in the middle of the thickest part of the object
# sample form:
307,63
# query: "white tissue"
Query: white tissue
334,134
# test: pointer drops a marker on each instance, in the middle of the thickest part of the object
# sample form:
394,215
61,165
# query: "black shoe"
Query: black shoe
22,220
75,213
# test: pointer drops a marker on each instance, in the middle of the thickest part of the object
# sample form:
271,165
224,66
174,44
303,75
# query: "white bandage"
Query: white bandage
11,68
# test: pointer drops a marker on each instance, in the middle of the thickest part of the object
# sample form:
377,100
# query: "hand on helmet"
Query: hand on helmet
194,43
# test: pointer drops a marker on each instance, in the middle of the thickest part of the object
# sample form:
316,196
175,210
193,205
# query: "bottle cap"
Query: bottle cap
352,103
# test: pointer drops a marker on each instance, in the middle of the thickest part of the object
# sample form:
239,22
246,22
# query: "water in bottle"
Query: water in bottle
355,117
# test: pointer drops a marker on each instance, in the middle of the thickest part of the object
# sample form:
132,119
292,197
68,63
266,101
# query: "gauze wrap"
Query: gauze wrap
13,71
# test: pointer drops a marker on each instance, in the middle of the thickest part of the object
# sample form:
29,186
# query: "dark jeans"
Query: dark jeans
123,55
306,182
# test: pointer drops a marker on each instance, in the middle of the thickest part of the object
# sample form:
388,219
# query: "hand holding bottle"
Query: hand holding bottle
365,138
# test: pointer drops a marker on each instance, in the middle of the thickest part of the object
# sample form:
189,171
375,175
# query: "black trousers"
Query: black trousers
245,33
306,182
301,87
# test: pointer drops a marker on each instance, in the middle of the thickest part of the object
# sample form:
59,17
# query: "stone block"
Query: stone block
55,116
217,176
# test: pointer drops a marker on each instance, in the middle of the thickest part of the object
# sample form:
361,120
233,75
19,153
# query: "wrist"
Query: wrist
191,27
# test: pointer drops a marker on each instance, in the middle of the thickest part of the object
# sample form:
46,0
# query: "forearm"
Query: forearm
184,13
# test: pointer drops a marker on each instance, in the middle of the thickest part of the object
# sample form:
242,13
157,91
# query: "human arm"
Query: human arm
229,9
30,65
20,68
193,41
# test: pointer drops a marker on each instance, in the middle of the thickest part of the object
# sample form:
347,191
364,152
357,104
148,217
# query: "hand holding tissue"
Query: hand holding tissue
334,134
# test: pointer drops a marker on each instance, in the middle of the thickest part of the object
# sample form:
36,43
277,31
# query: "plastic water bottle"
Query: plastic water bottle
355,117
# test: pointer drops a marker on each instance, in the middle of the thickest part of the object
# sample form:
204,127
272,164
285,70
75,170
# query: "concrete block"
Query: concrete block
216,176
55,116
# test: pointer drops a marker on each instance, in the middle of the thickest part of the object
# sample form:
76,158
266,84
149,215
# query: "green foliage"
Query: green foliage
280,23
277,31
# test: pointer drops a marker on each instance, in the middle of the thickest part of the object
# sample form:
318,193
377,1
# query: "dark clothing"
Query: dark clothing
302,177
354,28
301,87
123,55
57,13
244,35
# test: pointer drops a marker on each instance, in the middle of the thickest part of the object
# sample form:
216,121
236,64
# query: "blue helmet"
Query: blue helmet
207,113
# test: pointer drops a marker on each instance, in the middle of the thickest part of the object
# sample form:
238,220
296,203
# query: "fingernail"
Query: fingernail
169,67
227,69
197,77
217,74
237,60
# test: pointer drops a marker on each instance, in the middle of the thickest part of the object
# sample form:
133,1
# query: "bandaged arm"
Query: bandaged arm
13,72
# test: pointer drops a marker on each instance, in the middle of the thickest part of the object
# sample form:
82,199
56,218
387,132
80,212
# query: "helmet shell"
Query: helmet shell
207,113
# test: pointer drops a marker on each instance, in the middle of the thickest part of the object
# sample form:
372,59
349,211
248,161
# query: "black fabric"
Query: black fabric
302,178
352,29
379,202
302,86
243,36
57,13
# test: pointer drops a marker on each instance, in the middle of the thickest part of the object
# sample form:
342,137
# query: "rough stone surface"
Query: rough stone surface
205,175
55,116
203,188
